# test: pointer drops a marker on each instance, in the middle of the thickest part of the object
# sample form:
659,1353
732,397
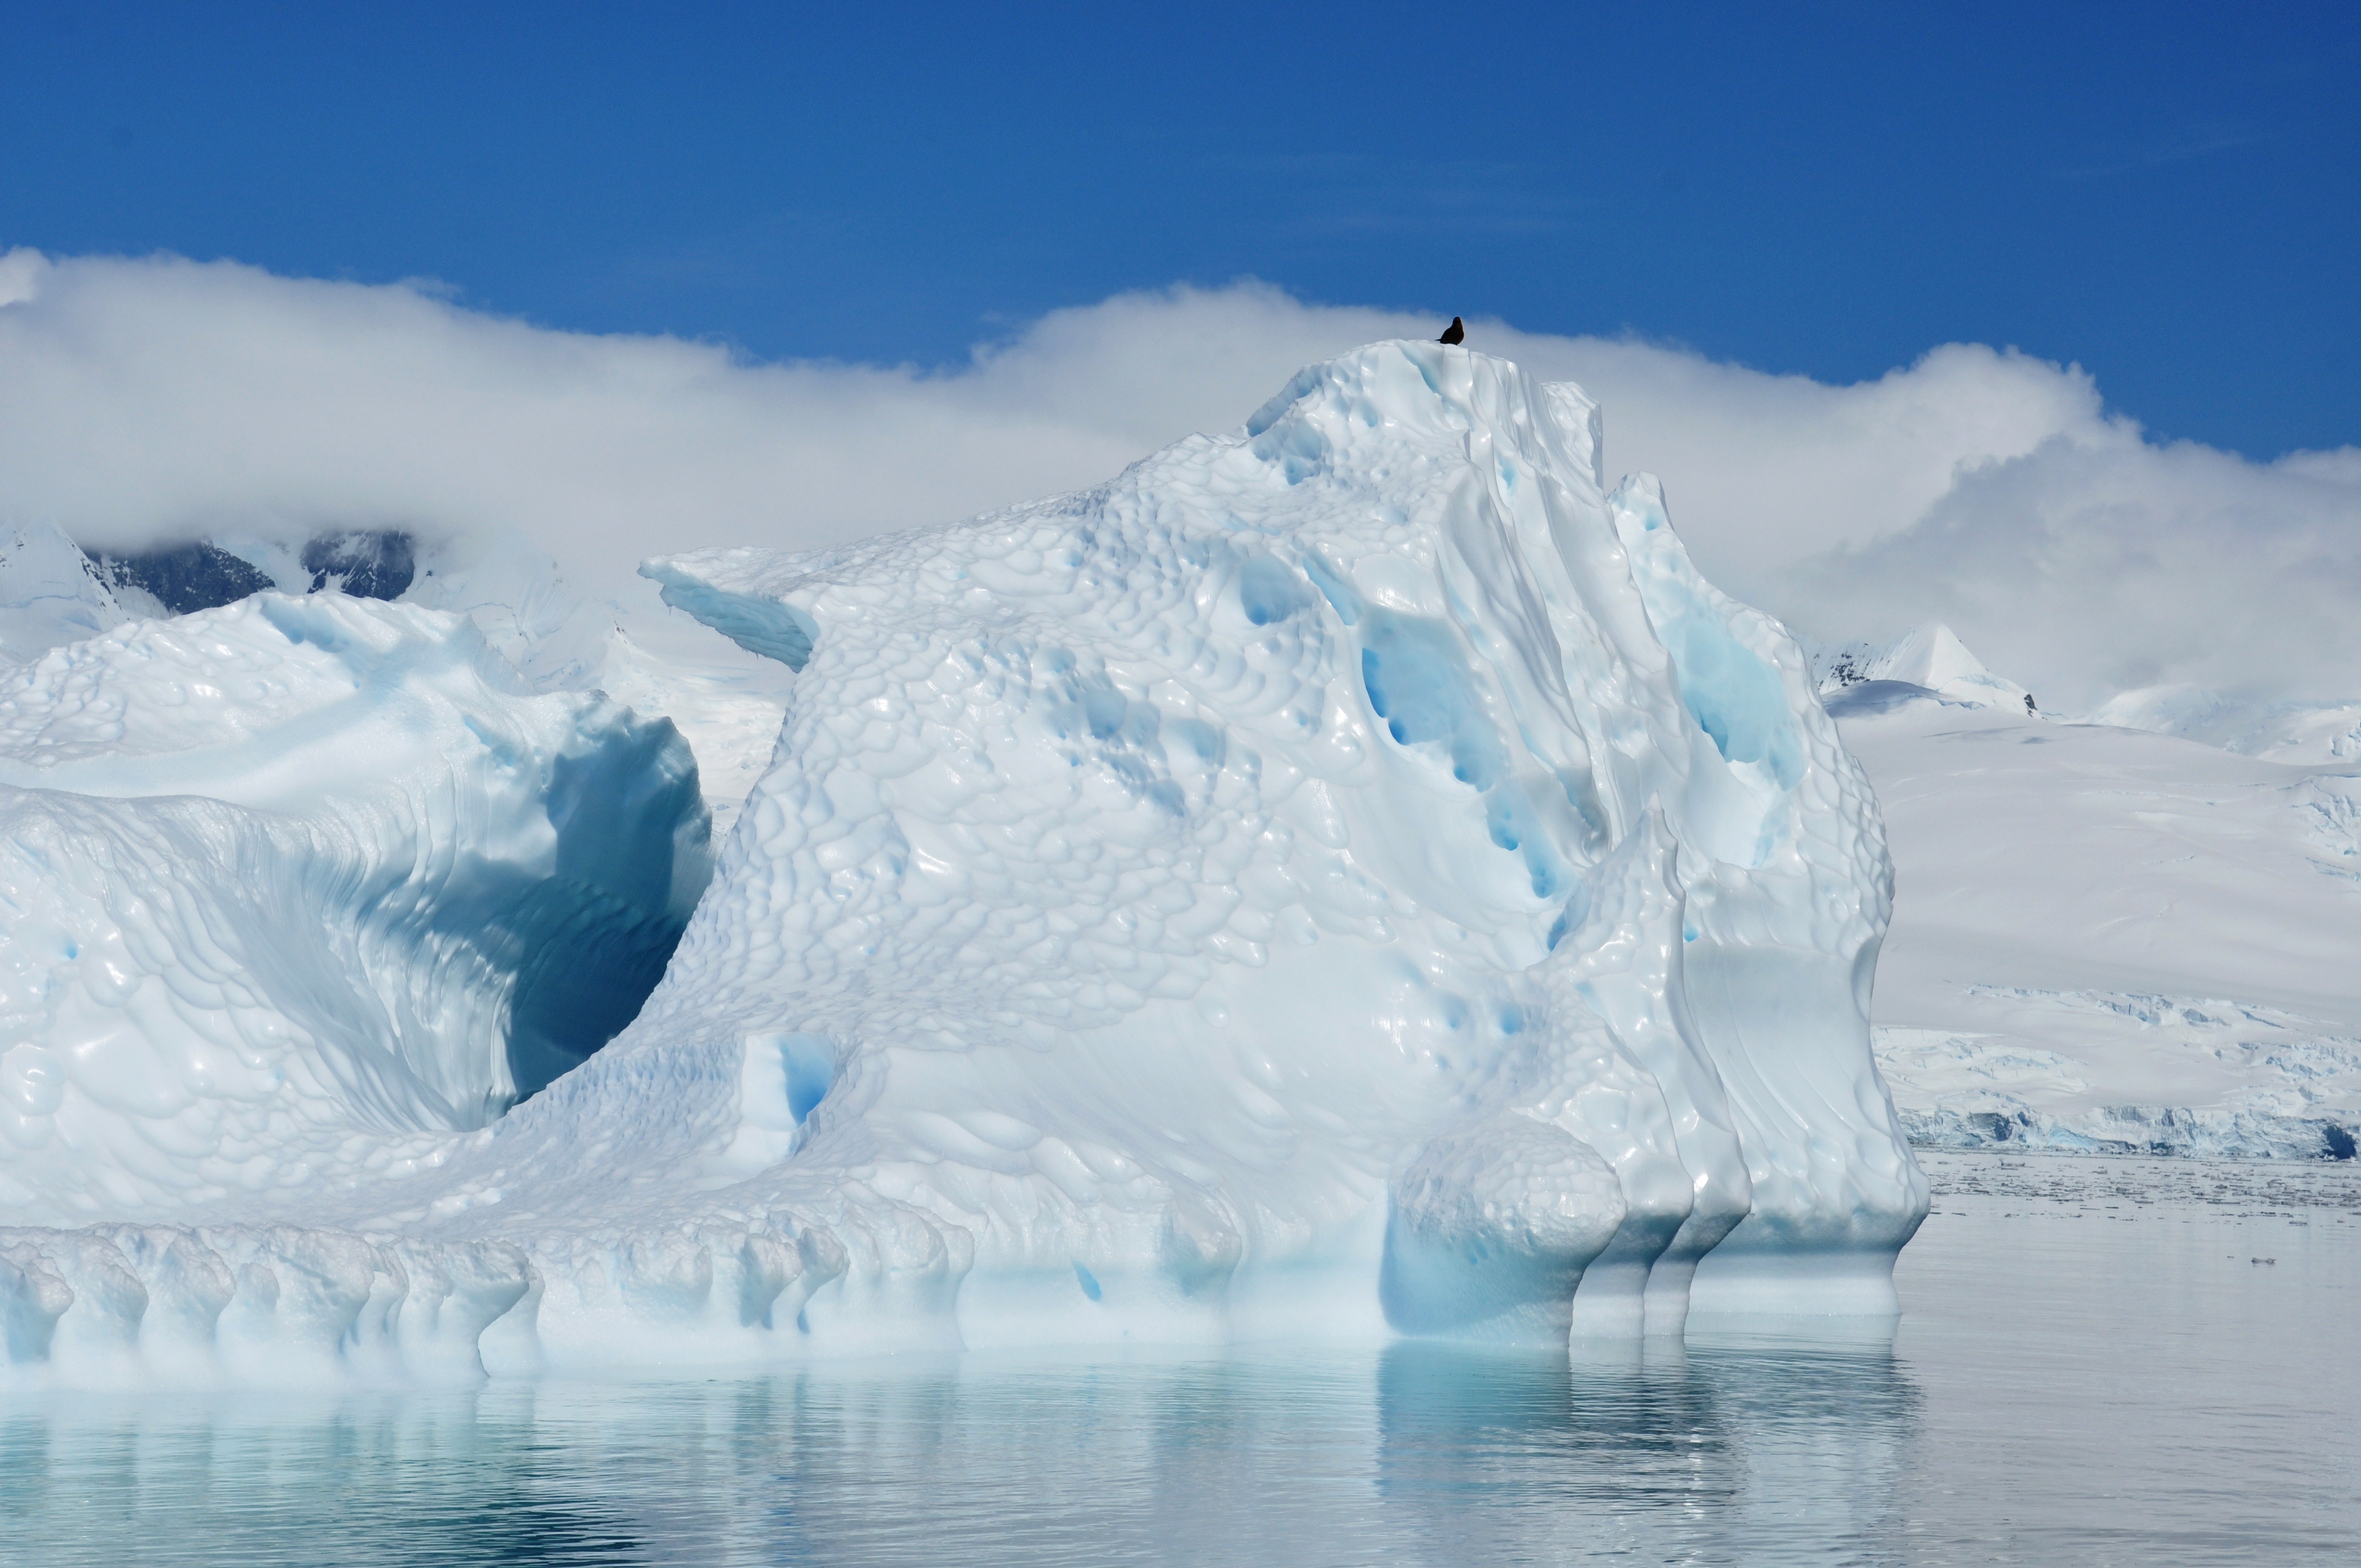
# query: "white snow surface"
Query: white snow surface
2281,732
2111,941
1346,877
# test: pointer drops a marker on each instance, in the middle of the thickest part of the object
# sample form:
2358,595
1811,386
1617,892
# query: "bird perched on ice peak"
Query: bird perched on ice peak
1454,332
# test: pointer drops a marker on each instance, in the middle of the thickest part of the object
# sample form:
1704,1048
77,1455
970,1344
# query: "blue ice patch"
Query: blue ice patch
1736,698
1410,669
1570,917
810,1064
1103,708
759,625
1268,590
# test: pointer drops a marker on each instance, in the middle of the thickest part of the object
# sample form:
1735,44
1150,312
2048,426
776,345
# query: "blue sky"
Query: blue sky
2171,195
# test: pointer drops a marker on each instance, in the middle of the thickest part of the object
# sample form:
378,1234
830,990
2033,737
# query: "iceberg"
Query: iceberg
1351,876
725,702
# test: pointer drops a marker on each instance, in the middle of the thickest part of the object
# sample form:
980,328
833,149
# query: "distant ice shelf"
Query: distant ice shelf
2108,1073
1350,876
2109,940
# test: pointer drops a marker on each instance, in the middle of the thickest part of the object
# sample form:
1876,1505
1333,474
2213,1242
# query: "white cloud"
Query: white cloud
2110,564
147,397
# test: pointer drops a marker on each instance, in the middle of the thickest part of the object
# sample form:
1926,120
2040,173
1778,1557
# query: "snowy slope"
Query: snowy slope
2105,938
2281,732
50,595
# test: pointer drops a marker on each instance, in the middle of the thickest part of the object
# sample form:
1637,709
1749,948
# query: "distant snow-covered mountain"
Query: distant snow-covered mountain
51,594
1931,658
1860,676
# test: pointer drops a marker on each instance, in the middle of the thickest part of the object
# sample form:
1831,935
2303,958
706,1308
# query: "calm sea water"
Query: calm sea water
2093,1368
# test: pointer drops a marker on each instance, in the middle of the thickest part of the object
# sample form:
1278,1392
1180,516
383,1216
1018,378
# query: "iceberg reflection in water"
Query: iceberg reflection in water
2095,1365
1415,1453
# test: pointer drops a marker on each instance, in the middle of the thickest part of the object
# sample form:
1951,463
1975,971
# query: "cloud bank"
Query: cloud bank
155,399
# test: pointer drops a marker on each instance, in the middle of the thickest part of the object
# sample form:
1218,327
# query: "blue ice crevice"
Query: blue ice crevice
1423,697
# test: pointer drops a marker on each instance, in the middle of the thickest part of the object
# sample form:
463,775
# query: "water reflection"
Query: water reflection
1738,1452
2095,1366
1413,1454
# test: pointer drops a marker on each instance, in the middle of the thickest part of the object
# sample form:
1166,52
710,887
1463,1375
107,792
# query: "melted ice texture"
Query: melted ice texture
296,888
1348,877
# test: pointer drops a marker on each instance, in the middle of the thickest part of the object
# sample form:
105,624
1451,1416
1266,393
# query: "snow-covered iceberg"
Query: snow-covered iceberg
1350,876
557,638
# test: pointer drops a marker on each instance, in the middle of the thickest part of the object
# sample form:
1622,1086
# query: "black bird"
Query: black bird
1454,332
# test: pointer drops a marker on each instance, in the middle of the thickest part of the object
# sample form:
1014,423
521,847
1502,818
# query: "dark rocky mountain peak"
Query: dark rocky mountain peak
374,562
184,577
